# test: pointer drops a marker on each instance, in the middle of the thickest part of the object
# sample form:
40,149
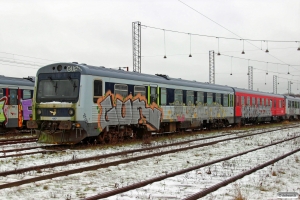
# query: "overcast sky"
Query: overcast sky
37,33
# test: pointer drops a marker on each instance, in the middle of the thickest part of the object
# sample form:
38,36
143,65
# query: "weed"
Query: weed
46,187
237,193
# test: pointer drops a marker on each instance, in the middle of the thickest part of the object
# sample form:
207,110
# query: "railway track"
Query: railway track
113,163
210,189
17,141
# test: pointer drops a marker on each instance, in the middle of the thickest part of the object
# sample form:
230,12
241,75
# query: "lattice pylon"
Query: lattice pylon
211,67
250,77
274,84
136,46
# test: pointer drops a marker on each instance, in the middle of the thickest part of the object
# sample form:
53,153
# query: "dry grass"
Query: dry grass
237,193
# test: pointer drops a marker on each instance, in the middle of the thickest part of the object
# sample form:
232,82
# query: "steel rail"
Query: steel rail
172,174
63,163
98,166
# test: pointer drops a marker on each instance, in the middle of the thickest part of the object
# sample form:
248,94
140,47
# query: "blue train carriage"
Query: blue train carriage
77,101
15,101
292,107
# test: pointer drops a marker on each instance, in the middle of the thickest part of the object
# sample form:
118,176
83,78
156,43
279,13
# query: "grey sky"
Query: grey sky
100,33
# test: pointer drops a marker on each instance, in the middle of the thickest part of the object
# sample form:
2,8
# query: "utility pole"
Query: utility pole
136,46
274,84
211,67
250,77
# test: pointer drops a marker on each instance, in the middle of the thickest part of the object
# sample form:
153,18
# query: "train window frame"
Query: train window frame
190,97
225,100
242,100
26,96
253,101
248,101
178,96
218,98
98,94
139,89
280,104
262,101
258,101
13,100
1,93
200,97
209,98
163,96
121,91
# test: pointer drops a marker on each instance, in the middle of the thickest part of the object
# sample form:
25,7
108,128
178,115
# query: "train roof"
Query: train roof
28,81
292,98
114,73
258,92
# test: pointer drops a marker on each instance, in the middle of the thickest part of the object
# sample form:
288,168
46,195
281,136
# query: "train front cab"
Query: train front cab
56,104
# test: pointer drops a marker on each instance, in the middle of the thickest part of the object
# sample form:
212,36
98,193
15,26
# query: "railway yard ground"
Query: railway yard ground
251,163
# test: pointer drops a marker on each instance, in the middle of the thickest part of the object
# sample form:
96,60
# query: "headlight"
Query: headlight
38,111
71,112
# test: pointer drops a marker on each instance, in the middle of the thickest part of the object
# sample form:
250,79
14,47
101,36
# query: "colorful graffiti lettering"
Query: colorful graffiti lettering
3,110
114,109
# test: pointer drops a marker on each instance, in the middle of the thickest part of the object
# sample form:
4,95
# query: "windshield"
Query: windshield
62,87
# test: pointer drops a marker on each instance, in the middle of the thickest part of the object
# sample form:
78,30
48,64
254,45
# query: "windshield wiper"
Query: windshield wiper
55,87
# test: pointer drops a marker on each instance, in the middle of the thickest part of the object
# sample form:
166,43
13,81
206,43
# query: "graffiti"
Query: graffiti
85,119
114,109
3,110
256,111
73,68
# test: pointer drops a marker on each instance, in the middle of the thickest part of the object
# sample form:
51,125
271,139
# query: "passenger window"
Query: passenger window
178,96
190,97
163,93
209,98
26,94
97,90
13,98
243,101
218,98
258,101
248,101
225,100
253,101
262,102
140,90
121,90
200,97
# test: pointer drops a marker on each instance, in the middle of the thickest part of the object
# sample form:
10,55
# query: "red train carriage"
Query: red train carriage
254,106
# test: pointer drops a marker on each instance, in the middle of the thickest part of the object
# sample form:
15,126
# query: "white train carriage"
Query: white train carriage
77,101
292,107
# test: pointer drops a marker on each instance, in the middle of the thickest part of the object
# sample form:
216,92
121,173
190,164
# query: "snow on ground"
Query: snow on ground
284,176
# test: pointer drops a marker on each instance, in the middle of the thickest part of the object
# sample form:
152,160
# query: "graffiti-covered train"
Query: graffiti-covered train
15,101
75,101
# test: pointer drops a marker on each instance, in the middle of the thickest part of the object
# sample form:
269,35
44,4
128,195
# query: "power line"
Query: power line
220,37
27,56
235,33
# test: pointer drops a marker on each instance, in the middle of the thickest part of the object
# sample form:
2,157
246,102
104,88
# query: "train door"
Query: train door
153,94
12,109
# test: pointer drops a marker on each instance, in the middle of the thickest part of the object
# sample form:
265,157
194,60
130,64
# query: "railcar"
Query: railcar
255,106
15,101
75,101
292,107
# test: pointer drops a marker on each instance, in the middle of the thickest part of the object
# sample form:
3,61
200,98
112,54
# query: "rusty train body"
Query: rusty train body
73,102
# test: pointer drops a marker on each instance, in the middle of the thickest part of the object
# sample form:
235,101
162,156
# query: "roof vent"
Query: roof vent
75,62
82,64
30,78
164,76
